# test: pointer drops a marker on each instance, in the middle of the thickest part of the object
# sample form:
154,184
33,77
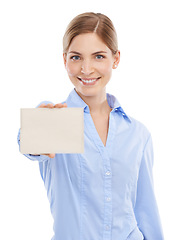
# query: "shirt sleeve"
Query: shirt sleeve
40,158
146,209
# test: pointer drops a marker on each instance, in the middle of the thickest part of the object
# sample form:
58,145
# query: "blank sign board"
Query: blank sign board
56,130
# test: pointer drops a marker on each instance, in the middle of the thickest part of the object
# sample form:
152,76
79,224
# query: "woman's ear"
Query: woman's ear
64,57
116,60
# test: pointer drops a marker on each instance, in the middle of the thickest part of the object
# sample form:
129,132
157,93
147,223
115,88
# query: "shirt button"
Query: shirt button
108,199
107,227
108,173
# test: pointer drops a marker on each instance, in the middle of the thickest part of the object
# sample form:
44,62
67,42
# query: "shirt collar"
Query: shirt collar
74,100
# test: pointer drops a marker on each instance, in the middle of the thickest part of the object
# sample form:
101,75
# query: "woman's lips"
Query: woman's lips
88,81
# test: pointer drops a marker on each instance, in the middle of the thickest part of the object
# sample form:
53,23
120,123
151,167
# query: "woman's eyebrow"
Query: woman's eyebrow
75,52
92,53
98,52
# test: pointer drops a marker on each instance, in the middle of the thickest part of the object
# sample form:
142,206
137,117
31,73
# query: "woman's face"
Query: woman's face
89,63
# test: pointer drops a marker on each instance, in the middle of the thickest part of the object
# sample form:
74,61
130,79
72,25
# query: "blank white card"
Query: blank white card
56,130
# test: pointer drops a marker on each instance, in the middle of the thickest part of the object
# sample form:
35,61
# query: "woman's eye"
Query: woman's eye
75,57
99,56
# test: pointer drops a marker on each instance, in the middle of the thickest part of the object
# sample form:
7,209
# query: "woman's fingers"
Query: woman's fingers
42,105
51,105
51,155
64,105
60,105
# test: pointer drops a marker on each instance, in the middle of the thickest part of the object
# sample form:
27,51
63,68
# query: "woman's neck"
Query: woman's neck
97,104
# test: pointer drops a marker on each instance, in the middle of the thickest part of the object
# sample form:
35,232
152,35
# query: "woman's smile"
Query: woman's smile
88,81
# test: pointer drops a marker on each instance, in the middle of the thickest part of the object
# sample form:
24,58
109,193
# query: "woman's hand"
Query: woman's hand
50,105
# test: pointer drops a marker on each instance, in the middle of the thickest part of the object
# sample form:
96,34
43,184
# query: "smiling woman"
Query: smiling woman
90,51
89,63
107,192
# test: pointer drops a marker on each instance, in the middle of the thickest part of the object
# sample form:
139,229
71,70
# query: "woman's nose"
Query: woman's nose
87,67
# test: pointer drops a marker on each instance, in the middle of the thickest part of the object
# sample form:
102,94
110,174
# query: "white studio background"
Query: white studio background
32,70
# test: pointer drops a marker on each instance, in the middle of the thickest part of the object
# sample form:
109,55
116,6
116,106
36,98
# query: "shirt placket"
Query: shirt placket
107,175
107,223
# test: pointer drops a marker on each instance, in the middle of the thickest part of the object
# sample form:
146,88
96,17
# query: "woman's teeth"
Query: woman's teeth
88,81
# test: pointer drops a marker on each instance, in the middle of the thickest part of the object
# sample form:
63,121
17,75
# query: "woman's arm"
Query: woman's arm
146,209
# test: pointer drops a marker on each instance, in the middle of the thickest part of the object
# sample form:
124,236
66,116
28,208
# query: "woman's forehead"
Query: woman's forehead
90,42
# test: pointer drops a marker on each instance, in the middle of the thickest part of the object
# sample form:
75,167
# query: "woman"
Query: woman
107,192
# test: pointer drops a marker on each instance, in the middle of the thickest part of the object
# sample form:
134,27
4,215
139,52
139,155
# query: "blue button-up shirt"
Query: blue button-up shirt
107,192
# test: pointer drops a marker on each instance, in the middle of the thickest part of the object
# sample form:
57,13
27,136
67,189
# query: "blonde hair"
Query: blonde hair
90,22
